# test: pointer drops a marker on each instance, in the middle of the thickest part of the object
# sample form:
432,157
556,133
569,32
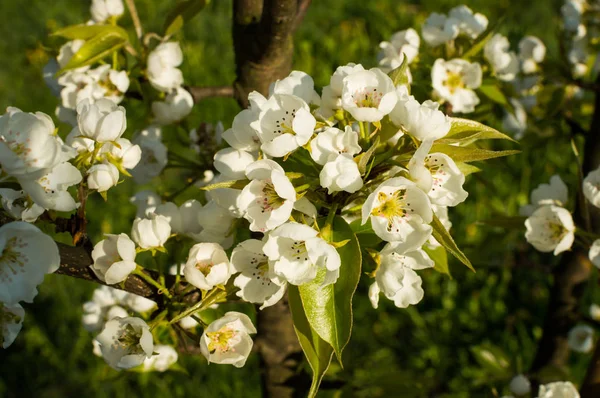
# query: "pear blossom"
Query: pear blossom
470,25
257,280
595,311
396,277
520,385
227,198
162,66
591,187
183,219
558,389
331,98
455,80
241,135
28,147
422,121
227,340
114,258
102,121
26,256
102,10
331,142
49,72
102,82
78,86
206,132
298,254
594,253
368,95
515,123
400,212
145,202
581,338
297,83
438,176
572,12
216,223
207,266
438,29
341,174
103,307
504,62
532,51
284,124
232,162
66,52
19,205
154,155
554,193
11,322
267,201
401,44
176,106
162,359
125,342
102,177
126,154
151,233
550,229
50,191
136,303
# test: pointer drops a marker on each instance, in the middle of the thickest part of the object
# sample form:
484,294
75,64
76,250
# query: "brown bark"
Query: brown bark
200,93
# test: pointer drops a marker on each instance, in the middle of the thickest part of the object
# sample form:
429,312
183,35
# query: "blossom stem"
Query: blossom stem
156,321
302,187
135,18
199,320
327,230
212,297
139,271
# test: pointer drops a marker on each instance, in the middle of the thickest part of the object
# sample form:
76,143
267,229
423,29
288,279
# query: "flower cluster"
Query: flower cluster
580,24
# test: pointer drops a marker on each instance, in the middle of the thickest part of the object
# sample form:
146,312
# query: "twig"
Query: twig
135,18
301,13
200,93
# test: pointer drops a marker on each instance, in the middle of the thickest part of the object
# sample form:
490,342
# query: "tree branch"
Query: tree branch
200,93
301,13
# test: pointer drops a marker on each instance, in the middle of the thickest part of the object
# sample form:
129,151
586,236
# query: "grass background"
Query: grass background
433,348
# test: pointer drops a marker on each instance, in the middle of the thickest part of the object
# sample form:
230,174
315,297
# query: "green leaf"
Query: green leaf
441,234
85,32
492,91
318,353
461,129
400,75
234,184
97,48
482,40
329,308
181,13
365,157
492,359
440,258
470,154
467,169
365,234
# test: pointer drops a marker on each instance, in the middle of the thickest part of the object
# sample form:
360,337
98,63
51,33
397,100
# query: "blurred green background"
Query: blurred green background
468,336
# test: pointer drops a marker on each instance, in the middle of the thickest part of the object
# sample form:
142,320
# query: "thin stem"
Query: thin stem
135,18
156,321
139,271
212,297
199,320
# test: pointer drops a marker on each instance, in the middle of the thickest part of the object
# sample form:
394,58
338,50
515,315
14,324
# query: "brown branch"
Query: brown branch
200,93
301,13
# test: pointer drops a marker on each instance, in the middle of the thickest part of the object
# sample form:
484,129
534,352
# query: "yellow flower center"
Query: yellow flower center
130,340
219,340
367,98
204,267
12,261
270,199
454,81
392,207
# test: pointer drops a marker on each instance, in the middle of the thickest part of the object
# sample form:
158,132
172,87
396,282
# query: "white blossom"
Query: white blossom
532,52
207,266
216,223
206,132
422,121
50,191
470,25
257,280
368,95
572,12
455,80
102,177
591,187
595,311
102,10
78,142
396,277
331,142
151,232
438,29
162,67
550,229
242,135
154,155
558,389
400,212
19,205
515,123
66,52
26,256
114,258
11,322
104,306
554,193
145,202
341,174
232,162
267,201
581,338
227,340
102,121
183,219
298,83
163,357
125,342
284,124
520,385
503,61
126,154
28,147
401,44
594,253
331,98
176,106
298,254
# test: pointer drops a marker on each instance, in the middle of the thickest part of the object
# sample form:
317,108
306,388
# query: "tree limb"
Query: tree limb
301,13
200,93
